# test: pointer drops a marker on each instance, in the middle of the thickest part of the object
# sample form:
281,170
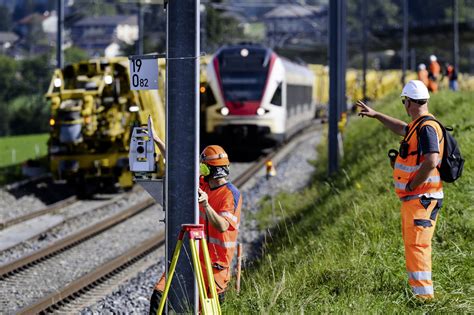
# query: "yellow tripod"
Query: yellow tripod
209,305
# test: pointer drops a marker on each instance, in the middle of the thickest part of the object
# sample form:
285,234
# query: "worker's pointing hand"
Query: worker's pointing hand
202,196
365,110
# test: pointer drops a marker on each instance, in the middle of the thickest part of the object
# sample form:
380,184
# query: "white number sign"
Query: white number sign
143,73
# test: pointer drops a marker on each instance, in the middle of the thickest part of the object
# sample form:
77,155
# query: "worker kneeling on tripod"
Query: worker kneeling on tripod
220,203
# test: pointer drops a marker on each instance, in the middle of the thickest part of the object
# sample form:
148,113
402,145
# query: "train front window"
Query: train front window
243,78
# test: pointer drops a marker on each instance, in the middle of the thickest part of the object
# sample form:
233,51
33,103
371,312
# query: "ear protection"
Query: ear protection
204,169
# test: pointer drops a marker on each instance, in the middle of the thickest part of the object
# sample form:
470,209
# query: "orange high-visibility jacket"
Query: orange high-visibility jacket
406,169
435,68
226,200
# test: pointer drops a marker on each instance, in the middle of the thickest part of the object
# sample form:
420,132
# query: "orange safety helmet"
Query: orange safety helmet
214,155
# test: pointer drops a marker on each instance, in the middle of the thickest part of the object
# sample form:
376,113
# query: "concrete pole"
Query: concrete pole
405,41
182,138
456,35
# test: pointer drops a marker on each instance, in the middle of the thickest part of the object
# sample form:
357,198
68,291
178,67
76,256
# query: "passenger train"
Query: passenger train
258,98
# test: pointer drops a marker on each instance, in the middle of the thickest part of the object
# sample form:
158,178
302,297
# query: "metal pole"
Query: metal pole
413,59
342,60
337,54
203,27
182,137
140,29
364,49
471,59
59,33
405,40
456,35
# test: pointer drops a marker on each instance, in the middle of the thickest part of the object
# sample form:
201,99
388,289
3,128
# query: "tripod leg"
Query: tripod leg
210,275
198,272
174,261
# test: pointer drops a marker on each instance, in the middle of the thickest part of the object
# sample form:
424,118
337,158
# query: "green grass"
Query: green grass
17,149
339,247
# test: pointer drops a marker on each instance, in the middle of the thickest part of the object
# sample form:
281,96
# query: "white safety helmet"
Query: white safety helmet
421,66
433,58
416,90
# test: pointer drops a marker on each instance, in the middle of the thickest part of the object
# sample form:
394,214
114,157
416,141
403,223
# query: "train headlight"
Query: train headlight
260,111
224,111
57,82
108,79
134,108
244,52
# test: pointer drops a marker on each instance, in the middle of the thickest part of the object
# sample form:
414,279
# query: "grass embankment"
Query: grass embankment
15,150
339,248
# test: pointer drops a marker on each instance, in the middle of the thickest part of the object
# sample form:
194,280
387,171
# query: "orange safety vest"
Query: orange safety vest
405,169
226,200
435,68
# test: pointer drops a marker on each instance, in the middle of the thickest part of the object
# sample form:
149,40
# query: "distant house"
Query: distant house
296,24
7,41
101,34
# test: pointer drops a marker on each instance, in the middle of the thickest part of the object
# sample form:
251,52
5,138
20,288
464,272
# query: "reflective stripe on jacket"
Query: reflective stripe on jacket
405,169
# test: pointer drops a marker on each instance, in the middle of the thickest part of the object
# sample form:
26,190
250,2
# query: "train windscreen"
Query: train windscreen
243,76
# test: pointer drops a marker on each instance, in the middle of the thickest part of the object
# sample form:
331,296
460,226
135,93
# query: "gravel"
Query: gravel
47,277
293,173
77,216
11,207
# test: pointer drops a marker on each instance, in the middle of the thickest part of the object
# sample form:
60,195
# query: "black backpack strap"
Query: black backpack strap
414,129
419,126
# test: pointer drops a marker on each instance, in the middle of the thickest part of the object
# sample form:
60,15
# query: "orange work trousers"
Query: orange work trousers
418,225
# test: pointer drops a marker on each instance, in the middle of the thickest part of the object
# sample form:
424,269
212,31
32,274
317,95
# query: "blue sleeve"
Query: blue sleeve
429,142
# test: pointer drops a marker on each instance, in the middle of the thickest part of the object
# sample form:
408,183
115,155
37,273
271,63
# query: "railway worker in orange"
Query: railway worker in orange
417,181
220,204
423,74
434,73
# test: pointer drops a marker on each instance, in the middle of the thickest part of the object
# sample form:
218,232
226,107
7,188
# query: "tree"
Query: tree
94,7
23,8
75,54
28,115
35,75
8,68
220,30
5,19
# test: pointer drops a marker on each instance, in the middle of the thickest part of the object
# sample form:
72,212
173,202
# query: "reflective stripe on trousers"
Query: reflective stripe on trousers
418,225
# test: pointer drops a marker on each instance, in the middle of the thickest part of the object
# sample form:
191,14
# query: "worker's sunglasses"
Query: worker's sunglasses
405,100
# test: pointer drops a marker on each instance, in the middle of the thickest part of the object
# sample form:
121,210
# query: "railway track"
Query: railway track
49,209
68,298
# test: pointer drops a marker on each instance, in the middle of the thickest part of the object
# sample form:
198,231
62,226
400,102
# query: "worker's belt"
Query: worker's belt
408,198
413,197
